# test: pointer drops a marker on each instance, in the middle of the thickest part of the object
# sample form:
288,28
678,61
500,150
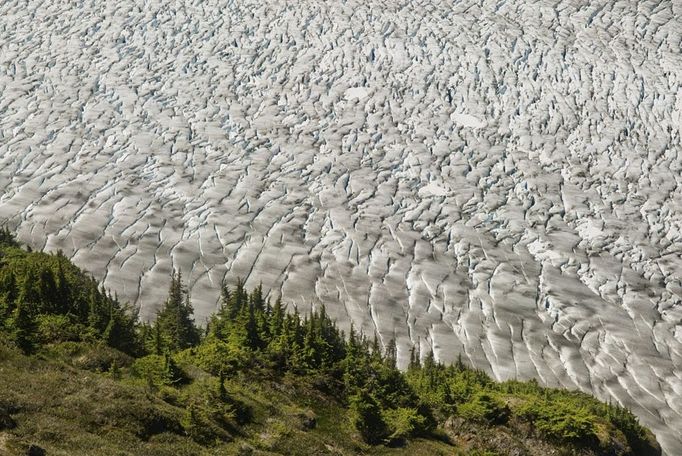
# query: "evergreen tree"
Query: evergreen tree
29,291
158,340
174,321
63,291
48,291
222,391
391,356
121,330
96,318
252,338
9,293
277,318
7,238
236,301
365,414
415,362
172,372
24,327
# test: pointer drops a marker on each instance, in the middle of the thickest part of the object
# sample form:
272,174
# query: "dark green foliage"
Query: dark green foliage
174,326
121,330
365,415
567,417
45,299
23,324
159,370
484,408
627,423
7,238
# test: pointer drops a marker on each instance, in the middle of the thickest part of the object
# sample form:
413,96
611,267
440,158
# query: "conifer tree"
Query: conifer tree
23,324
366,417
253,340
277,318
29,291
7,238
62,297
48,291
391,356
236,300
121,331
96,319
415,362
158,340
8,295
174,320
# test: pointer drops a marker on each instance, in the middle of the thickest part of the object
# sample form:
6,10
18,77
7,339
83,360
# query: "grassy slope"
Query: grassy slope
58,401
68,410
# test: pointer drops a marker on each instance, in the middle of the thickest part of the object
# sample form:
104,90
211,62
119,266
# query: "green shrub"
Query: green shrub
216,357
561,420
484,408
57,328
404,422
159,370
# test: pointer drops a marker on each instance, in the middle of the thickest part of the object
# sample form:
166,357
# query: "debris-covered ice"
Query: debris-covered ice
494,178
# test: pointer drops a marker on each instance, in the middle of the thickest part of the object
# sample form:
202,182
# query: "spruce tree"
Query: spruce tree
48,291
62,298
237,300
23,325
9,293
391,356
366,417
96,319
29,291
7,238
277,319
158,340
253,340
174,321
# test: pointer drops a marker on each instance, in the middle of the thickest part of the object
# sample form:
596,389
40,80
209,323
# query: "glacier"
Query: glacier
496,179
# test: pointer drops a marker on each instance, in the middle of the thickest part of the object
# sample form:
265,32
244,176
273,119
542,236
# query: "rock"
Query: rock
307,420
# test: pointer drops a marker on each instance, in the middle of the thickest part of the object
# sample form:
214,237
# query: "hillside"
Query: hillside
79,375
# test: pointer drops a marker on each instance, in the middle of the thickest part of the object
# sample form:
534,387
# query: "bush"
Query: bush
216,357
159,370
404,422
93,357
561,420
6,420
484,408
58,328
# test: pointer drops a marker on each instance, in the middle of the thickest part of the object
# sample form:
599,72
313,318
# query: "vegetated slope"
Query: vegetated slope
259,381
